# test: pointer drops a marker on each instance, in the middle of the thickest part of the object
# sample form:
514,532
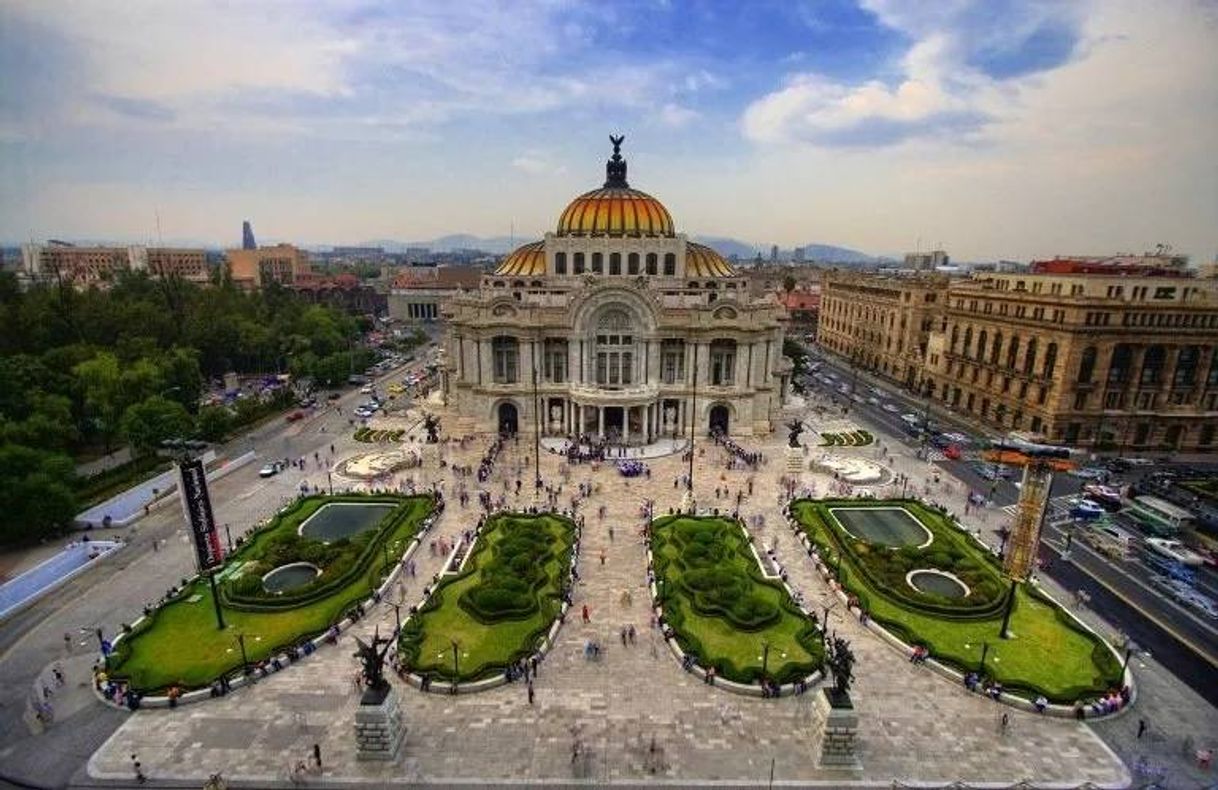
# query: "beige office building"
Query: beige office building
255,269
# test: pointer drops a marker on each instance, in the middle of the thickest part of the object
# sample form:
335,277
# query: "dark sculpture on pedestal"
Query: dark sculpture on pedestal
373,658
432,425
840,660
796,427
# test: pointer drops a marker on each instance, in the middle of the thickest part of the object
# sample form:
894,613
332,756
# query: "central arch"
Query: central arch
720,419
509,418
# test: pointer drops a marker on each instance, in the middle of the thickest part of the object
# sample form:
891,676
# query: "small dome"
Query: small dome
702,261
526,261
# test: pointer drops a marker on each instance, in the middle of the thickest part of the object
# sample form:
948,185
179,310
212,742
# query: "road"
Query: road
116,590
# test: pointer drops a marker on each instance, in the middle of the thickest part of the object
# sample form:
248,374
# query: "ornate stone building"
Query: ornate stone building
615,326
1088,360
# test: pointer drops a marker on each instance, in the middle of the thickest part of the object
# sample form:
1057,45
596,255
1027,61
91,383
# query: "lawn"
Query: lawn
499,606
723,610
1049,654
180,643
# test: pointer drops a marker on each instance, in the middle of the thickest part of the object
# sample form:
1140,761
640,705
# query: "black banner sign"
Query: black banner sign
192,485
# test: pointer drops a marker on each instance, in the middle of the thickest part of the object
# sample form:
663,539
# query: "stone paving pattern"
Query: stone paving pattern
633,716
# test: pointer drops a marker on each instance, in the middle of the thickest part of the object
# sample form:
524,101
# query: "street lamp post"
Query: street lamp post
228,534
693,419
397,617
985,649
765,657
330,482
245,662
537,417
1130,648
456,661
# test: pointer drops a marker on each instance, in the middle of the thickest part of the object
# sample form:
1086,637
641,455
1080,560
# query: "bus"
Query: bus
1161,517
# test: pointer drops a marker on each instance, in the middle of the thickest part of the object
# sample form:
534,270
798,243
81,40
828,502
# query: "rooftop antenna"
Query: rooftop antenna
159,241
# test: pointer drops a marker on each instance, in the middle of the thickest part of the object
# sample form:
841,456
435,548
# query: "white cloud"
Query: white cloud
535,164
675,116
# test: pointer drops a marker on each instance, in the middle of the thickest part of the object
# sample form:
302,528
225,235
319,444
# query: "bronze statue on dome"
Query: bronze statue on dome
617,145
615,168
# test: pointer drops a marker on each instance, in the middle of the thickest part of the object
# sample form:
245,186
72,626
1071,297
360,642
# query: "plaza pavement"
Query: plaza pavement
914,725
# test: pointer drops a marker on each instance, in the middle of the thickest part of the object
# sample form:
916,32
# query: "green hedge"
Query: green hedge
707,573
502,602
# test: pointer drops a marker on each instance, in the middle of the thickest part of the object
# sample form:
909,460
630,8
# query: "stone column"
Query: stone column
626,424
600,422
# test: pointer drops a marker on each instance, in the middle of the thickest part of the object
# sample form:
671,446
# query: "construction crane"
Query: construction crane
1039,462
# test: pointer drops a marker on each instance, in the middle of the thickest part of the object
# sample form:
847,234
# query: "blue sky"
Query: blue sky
997,128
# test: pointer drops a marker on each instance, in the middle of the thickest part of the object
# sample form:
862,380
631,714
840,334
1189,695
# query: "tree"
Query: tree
100,383
153,420
214,423
788,283
34,496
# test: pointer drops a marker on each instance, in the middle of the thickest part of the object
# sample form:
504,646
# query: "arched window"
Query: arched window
996,349
981,342
505,355
955,338
615,263
1120,367
1012,352
598,263
560,263
632,263
1050,360
722,362
614,361
1187,361
1153,362
968,341
653,262
1086,365
1029,358
578,263
670,264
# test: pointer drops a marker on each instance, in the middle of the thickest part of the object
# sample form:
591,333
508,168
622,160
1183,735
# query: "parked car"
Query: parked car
1089,473
295,416
1085,509
366,390
271,469
891,408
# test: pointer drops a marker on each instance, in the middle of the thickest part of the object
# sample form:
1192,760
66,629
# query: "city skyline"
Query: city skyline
1016,130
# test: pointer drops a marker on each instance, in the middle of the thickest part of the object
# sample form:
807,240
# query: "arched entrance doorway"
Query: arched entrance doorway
720,419
508,419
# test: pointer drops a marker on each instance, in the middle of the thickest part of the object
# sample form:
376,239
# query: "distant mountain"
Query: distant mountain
812,252
455,241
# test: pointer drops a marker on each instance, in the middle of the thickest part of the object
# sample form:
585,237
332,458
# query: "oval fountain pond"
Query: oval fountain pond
936,582
337,520
289,577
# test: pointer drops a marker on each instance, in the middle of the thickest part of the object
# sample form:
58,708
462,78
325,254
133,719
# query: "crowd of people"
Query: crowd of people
738,454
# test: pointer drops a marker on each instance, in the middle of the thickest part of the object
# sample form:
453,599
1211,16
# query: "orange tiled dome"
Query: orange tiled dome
525,261
615,211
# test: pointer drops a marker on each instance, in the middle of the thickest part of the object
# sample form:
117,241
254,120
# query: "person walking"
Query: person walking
530,687
586,615
1141,728
317,755
138,769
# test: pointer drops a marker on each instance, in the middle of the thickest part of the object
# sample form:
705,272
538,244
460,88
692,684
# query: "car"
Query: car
1175,550
891,408
366,390
334,396
873,400
1107,497
295,416
1089,473
1084,509
361,412
1138,461
271,469
952,452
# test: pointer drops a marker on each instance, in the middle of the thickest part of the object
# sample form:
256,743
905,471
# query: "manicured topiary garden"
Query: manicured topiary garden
859,438
374,435
723,610
958,612
499,606
179,644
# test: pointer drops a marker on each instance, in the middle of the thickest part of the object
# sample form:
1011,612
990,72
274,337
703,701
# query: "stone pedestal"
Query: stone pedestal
795,460
379,731
837,727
